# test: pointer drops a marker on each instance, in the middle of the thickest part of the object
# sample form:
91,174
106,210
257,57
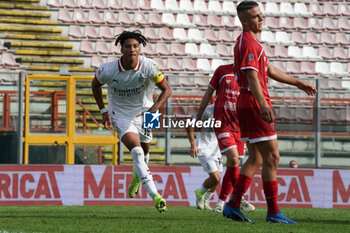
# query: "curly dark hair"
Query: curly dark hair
121,38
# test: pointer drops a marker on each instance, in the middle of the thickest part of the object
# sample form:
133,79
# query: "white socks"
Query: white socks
143,171
220,203
207,193
207,196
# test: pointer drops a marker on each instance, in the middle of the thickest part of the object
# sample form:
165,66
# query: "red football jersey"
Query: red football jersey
227,91
250,55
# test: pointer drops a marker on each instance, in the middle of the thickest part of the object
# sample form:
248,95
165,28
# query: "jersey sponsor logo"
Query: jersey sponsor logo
35,185
223,135
230,106
151,120
232,92
250,57
128,92
109,185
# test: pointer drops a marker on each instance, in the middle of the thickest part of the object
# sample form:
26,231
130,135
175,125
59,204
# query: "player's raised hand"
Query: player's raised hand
307,87
106,120
267,114
194,151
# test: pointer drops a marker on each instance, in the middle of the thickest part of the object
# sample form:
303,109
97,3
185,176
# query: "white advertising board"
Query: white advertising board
107,185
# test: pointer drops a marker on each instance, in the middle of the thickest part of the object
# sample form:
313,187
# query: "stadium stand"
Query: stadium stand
189,64
178,49
7,59
96,61
75,31
166,34
94,17
99,5
149,50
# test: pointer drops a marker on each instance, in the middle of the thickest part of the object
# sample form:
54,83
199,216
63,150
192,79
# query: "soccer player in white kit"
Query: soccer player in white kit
131,80
206,148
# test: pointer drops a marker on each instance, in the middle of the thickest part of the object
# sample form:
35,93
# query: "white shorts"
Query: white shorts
210,159
134,125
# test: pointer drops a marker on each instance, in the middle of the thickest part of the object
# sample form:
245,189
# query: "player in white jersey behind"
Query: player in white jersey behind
131,80
206,148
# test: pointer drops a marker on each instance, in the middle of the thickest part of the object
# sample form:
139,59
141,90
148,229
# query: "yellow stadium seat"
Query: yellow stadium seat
46,53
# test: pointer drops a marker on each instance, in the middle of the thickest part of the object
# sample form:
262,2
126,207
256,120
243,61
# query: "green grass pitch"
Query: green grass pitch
91,219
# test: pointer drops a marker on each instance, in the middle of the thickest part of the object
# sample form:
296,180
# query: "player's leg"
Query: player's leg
212,165
135,183
212,181
253,162
145,147
132,142
206,191
244,205
202,191
228,142
146,138
231,174
248,170
131,134
230,177
270,154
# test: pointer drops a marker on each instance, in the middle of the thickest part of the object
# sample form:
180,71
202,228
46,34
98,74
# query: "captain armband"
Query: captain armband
158,78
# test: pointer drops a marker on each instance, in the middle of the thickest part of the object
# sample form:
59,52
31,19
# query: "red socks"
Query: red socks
240,188
271,192
230,178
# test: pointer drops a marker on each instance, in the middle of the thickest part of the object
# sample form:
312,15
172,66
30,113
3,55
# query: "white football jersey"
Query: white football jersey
130,92
206,137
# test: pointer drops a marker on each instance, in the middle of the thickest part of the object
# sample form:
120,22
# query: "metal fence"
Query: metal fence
312,130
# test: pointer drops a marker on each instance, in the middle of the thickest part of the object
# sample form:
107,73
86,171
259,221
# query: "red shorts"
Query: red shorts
228,140
253,127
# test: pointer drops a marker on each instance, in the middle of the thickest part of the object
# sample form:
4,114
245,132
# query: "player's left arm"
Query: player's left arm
194,149
280,76
205,101
164,86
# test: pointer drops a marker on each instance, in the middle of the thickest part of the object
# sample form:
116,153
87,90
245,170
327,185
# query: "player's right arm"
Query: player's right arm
205,101
97,92
212,86
253,81
194,148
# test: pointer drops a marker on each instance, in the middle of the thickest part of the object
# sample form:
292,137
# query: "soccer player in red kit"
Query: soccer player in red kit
256,116
228,135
